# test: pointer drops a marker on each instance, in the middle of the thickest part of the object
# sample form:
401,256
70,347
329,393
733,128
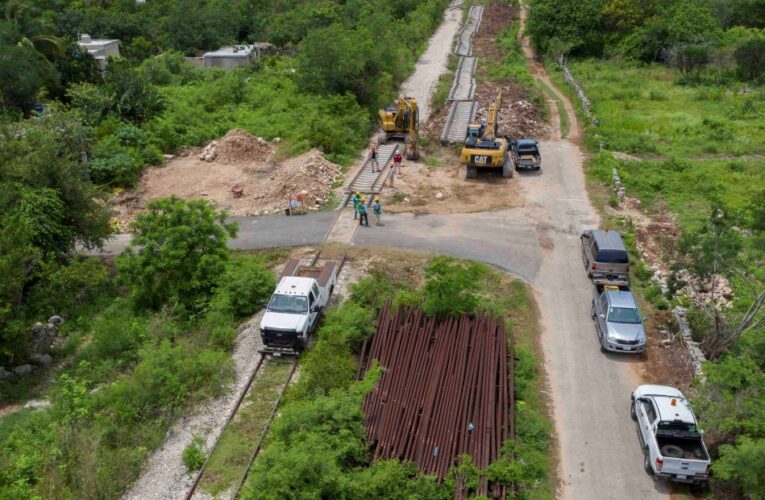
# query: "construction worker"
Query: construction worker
356,200
363,216
377,209
373,159
392,173
397,162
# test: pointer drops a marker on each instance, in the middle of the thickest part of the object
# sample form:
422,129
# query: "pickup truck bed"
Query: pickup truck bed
688,448
321,274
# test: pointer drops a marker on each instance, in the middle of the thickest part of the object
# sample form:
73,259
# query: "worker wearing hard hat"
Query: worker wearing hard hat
356,200
377,209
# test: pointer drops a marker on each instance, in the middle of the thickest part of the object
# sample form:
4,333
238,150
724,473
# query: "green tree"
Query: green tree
23,73
451,287
177,254
574,27
135,97
750,58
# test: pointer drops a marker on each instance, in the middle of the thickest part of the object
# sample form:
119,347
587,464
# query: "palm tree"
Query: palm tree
31,30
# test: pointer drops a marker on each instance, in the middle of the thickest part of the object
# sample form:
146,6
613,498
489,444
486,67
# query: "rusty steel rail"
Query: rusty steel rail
447,390
258,447
231,416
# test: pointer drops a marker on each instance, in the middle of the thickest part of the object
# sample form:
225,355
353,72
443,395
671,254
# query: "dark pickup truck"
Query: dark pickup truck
526,155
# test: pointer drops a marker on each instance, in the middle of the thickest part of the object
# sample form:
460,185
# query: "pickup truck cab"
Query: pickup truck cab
295,306
526,155
673,446
617,319
604,256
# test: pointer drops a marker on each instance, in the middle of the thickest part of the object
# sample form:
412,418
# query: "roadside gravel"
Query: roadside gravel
433,62
164,476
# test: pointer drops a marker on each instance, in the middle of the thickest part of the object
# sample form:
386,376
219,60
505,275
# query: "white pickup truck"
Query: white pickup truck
673,447
295,306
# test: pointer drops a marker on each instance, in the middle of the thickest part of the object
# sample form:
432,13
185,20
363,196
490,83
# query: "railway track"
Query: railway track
463,88
263,365
455,128
367,182
464,45
264,361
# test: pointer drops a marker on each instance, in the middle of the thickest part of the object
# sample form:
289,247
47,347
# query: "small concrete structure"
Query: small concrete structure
100,49
233,56
230,57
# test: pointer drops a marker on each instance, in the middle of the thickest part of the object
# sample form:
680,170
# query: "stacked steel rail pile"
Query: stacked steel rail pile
446,390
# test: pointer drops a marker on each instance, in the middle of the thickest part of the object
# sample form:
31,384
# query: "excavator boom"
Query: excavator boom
491,121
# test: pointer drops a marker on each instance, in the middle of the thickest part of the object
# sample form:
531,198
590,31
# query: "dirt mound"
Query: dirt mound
236,147
236,160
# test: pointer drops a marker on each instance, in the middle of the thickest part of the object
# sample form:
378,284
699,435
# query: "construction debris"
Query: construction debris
237,173
447,390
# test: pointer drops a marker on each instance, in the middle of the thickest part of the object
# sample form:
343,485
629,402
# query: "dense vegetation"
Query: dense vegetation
98,130
317,448
691,35
678,87
139,352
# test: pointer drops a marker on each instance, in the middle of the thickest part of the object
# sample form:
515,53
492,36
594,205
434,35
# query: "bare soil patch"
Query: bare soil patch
237,159
518,115
443,188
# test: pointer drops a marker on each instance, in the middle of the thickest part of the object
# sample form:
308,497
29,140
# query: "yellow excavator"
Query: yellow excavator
401,122
483,147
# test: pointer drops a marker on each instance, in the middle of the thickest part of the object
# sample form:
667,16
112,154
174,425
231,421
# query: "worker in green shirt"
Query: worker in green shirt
363,216
356,200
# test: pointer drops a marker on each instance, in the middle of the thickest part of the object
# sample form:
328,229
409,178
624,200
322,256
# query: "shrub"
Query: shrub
181,254
248,282
119,170
451,287
193,455
750,58
118,334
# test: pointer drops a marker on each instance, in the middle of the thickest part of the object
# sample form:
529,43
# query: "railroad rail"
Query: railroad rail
245,392
463,87
462,93
460,115
366,181
447,390
464,45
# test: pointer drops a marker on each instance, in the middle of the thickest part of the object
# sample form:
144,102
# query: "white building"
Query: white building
101,50
233,56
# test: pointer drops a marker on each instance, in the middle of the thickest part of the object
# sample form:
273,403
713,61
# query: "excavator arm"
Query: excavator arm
490,133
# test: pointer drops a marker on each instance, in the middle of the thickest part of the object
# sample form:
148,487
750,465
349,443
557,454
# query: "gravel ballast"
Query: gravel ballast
164,476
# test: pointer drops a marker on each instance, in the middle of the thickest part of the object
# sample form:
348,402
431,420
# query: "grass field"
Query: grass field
644,111
693,145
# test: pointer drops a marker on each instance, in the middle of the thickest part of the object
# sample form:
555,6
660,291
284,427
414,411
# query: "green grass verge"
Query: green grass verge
228,460
565,125
644,111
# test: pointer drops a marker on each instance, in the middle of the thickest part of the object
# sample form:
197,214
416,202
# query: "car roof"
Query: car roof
608,240
526,142
662,396
621,299
294,285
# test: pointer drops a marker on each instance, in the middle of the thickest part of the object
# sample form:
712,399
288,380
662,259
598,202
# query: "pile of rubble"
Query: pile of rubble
237,146
43,336
310,175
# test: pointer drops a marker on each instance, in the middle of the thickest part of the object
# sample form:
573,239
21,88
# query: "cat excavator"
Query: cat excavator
401,122
484,148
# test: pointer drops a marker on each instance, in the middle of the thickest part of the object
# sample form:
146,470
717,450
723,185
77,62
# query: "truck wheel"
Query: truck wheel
507,169
472,172
632,410
672,451
647,461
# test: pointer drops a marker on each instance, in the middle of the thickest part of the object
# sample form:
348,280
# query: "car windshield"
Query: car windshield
677,426
527,150
613,257
623,315
288,304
